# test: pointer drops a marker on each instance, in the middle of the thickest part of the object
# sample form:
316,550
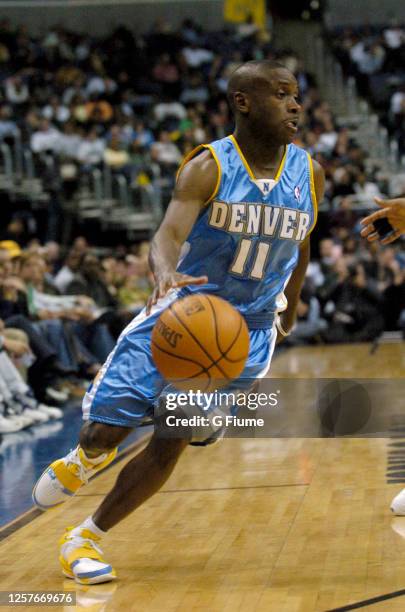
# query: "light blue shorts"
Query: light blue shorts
127,388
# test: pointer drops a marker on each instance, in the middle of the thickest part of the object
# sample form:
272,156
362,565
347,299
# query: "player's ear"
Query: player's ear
241,102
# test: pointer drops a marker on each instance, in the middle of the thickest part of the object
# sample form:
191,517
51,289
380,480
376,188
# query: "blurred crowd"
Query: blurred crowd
138,104
375,56
353,292
60,317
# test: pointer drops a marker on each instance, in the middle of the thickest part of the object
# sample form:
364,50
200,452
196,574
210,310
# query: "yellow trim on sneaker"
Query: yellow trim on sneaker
85,533
89,535
65,567
65,476
84,552
98,466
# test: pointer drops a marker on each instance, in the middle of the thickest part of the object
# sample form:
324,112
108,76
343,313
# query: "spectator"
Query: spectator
354,307
165,152
89,280
17,92
394,36
55,312
8,127
397,102
195,90
80,245
116,156
167,73
46,138
67,273
394,296
55,111
14,312
143,137
371,59
69,141
309,323
365,188
135,286
195,56
91,150
166,109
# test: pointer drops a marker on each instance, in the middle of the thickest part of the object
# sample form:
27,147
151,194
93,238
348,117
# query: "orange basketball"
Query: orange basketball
200,343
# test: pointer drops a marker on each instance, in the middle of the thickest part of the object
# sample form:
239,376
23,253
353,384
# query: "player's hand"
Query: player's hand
85,301
81,314
394,211
174,280
13,282
16,347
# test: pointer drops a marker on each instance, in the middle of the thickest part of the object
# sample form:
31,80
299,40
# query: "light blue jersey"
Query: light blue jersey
247,238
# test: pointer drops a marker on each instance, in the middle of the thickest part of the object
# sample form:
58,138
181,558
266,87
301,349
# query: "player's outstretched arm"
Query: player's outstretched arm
194,188
294,286
394,211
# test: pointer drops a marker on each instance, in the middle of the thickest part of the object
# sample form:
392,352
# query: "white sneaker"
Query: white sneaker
64,477
51,411
27,409
25,400
10,425
41,410
398,504
38,416
26,420
82,559
14,412
56,396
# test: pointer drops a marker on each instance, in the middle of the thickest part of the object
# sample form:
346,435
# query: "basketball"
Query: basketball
201,342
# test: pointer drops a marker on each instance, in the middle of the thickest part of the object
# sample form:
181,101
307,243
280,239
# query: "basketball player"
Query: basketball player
237,226
394,212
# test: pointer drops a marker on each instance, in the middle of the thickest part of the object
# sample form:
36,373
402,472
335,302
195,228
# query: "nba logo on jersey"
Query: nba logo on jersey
297,194
265,185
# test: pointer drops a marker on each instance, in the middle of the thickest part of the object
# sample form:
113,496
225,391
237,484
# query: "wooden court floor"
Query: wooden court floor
247,525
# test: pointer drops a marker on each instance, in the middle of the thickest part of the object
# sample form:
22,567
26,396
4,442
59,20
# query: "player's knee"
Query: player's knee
102,437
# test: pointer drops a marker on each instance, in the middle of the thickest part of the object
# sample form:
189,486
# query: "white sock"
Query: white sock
94,460
89,524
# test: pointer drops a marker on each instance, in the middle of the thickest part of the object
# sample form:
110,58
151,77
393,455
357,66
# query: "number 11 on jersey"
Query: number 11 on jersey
243,253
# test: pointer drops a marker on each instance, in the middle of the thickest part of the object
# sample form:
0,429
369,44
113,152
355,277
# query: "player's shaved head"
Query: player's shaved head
250,77
263,96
